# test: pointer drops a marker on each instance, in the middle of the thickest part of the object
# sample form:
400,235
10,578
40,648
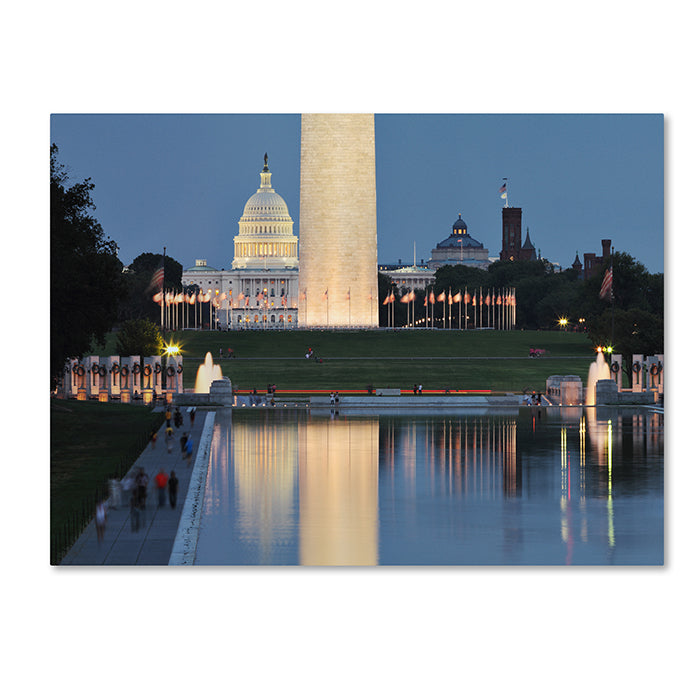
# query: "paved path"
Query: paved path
153,542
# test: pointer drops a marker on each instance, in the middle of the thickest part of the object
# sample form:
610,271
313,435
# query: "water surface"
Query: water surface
528,486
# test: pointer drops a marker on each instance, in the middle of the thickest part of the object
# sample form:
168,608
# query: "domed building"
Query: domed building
459,248
261,288
265,239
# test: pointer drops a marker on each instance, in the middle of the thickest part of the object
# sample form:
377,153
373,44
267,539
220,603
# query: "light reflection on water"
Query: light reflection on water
528,486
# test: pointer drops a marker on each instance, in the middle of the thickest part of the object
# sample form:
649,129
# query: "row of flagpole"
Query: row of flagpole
497,307
175,306
490,308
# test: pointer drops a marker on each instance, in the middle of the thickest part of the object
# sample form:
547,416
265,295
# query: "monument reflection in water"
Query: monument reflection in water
533,486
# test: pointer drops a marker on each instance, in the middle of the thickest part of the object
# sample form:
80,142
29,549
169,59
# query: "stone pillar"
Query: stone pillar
651,363
606,392
113,367
338,222
148,378
71,381
92,369
124,379
82,371
170,378
104,379
220,392
637,373
616,376
135,375
571,390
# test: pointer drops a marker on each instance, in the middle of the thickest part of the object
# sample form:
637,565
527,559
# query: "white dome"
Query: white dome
265,204
265,237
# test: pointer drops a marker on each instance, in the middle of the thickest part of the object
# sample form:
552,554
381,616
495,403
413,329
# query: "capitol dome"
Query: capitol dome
265,231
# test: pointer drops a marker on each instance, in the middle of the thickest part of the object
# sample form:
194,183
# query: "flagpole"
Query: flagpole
162,289
612,300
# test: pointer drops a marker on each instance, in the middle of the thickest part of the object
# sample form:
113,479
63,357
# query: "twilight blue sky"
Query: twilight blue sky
182,180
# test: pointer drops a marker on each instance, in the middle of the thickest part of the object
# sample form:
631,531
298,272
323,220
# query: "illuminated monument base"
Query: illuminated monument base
124,379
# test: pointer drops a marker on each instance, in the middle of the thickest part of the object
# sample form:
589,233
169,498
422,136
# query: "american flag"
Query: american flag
606,287
157,279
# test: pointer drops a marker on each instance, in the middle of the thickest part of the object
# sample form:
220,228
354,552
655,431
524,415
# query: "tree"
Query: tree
138,300
139,337
86,274
456,277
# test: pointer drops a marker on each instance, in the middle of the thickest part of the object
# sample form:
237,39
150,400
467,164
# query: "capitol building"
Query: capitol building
261,290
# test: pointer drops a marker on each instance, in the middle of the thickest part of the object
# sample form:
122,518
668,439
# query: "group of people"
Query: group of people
535,399
137,485
221,353
310,356
417,388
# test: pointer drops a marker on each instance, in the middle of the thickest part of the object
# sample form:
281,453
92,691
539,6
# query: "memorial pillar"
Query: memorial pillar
124,380
616,370
92,372
135,376
637,373
113,365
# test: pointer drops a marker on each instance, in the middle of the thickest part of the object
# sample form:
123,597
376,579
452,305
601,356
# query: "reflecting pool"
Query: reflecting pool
526,486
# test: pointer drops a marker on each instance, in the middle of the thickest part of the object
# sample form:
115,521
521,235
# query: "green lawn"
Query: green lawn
91,442
493,360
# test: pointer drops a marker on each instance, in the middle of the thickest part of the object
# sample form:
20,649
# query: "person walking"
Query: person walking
134,511
100,520
168,415
178,418
183,443
172,489
154,437
161,483
141,486
169,438
189,447
192,412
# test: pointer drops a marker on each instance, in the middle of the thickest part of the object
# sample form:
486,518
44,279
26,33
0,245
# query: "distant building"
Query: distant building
411,277
593,262
512,247
578,266
459,248
261,288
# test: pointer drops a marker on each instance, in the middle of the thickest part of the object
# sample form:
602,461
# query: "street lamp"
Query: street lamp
563,322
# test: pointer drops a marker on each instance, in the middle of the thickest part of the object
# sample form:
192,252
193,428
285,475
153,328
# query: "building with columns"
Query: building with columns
261,288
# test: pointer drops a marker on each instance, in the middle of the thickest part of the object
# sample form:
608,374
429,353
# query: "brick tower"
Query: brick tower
338,222
512,233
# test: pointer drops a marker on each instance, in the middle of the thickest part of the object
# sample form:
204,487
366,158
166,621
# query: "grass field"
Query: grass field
474,360
90,443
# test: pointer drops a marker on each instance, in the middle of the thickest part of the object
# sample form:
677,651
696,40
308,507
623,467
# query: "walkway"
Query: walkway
152,543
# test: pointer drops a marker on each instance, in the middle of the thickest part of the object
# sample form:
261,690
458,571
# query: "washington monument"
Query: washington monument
338,222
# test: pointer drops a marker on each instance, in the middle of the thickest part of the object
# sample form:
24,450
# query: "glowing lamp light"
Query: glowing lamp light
563,322
171,350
